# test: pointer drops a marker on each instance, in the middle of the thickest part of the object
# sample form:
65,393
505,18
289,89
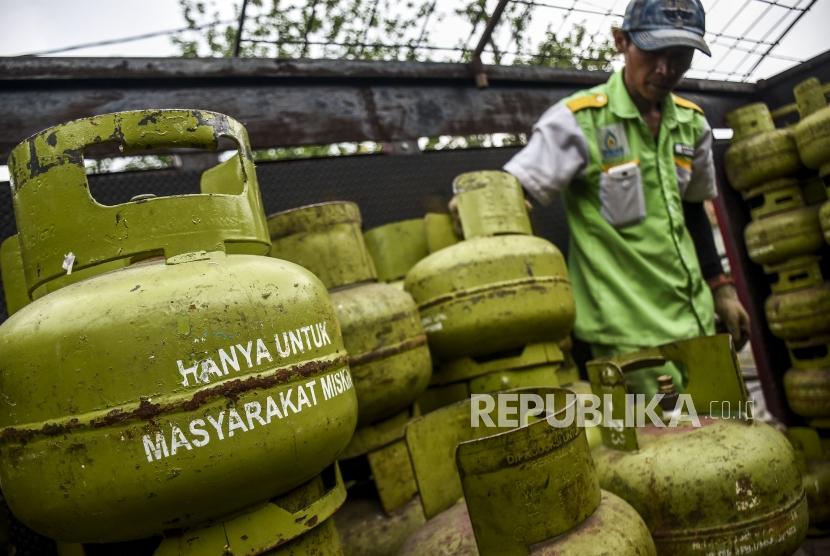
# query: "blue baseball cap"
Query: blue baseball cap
656,24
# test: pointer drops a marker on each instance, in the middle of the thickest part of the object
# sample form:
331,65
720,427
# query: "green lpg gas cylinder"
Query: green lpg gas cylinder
396,247
513,483
297,523
388,355
501,287
773,197
387,349
814,462
807,383
711,482
583,390
528,366
440,231
812,133
782,227
14,536
799,306
14,278
759,152
163,394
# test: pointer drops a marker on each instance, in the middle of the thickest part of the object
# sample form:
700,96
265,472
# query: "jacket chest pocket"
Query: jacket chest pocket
621,195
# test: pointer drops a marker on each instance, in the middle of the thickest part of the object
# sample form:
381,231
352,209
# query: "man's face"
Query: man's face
653,74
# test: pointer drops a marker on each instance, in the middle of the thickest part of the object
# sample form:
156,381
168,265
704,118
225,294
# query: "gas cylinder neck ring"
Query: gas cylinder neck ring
326,239
491,203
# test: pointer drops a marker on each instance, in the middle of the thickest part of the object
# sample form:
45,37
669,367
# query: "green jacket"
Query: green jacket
633,265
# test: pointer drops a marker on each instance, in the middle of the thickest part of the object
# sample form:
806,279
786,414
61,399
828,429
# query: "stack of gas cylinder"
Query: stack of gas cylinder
183,376
532,488
390,364
767,165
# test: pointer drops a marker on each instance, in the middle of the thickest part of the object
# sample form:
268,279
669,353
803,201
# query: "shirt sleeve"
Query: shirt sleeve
702,182
704,240
556,153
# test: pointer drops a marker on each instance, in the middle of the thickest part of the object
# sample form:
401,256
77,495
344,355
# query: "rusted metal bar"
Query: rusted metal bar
185,71
301,102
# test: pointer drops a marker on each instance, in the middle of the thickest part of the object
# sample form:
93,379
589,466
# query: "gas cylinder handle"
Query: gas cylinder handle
641,360
714,382
58,218
135,130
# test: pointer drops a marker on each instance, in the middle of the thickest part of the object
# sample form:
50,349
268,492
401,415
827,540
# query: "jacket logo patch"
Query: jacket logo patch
613,143
684,150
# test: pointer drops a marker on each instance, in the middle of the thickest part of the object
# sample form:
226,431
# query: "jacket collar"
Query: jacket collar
621,105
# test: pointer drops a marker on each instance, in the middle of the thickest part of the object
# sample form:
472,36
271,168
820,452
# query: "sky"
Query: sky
39,25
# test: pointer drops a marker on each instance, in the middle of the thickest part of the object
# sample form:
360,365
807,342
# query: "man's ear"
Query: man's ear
620,39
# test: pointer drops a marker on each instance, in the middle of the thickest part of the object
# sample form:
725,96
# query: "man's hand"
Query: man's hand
732,314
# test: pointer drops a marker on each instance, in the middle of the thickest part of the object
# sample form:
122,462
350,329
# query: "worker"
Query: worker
634,165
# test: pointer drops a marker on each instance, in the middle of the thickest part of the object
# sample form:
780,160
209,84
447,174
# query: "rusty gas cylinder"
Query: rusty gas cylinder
812,132
382,332
297,523
388,355
396,247
814,462
15,291
759,153
521,487
807,383
706,477
125,391
799,306
773,197
812,135
439,230
530,365
782,227
500,288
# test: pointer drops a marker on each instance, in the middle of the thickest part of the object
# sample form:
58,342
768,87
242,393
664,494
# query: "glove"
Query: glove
732,314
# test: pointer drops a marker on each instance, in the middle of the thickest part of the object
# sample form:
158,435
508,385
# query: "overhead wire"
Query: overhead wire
760,48
131,38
